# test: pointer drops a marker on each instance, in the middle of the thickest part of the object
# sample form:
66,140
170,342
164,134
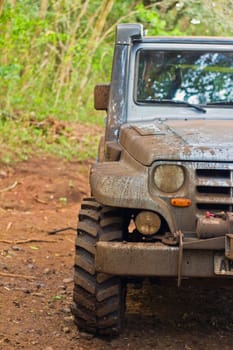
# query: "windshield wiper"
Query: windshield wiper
187,104
176,102
218,103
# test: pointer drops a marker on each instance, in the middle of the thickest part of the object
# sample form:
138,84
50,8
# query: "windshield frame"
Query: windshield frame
143,111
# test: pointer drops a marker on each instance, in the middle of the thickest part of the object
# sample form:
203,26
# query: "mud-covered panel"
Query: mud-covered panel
149,259
202,140
120,184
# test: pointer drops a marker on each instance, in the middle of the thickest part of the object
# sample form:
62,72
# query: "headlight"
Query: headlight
169,177
148,223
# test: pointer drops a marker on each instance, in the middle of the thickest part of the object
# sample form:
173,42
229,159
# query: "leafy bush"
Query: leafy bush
52,53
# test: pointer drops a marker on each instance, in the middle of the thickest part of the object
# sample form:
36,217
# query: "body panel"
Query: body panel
202,140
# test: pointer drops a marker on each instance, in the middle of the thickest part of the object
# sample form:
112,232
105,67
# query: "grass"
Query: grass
22,138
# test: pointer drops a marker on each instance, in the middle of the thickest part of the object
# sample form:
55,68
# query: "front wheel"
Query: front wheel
98,299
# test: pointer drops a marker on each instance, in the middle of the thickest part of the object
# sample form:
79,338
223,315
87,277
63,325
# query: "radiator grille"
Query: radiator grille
214,189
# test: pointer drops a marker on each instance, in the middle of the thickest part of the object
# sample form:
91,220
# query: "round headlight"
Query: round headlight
148,223
169,177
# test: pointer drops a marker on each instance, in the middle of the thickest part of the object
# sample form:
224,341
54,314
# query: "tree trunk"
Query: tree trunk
1,6
43,8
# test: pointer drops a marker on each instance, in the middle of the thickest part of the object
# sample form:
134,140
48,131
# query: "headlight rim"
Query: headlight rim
164,188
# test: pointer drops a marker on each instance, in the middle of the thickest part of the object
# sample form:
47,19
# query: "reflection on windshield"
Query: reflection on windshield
191,76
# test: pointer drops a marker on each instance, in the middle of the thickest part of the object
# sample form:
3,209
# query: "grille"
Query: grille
214,189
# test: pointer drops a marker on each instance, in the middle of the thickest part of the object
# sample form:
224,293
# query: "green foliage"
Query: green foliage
50,61
52,53
154,22
196,17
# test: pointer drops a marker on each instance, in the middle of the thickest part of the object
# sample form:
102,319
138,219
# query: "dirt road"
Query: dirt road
36,272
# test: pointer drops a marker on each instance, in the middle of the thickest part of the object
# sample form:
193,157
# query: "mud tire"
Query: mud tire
98,299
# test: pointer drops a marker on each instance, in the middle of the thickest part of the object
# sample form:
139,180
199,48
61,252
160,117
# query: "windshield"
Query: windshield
195,77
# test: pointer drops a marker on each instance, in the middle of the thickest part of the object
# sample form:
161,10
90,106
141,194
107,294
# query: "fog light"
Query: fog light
148,223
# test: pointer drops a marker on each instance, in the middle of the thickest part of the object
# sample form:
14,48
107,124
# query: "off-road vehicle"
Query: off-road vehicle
162,188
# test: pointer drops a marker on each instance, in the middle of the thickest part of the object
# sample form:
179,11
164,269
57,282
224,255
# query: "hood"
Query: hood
191,140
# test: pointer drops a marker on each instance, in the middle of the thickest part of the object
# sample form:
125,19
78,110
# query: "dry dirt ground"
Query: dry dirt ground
36,272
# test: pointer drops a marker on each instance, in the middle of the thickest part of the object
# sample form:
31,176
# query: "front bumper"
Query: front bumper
156,259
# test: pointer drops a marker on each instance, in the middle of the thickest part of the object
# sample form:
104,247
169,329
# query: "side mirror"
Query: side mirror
101,96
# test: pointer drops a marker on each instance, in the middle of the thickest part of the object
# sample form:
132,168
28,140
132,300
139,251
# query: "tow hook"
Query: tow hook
171,238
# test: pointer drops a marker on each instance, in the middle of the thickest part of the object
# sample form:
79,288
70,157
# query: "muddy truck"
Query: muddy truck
161,202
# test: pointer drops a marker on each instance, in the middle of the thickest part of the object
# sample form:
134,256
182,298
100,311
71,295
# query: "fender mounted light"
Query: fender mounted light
180,202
